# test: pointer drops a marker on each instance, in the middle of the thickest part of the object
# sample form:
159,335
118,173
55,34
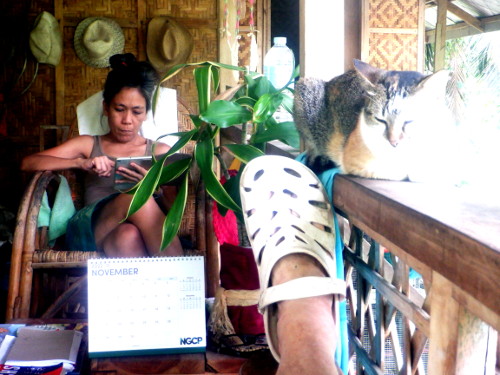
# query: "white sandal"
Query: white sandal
287,211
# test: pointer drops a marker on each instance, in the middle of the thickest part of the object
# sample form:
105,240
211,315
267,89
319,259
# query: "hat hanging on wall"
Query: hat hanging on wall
168,43
97,39
46,39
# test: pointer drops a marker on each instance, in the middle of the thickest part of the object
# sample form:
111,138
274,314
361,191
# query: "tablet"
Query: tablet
143,161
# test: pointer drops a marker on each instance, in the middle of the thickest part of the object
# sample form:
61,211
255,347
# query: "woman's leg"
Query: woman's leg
148,220
125,241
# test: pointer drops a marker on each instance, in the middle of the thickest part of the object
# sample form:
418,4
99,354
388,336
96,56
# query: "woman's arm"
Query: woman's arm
73,153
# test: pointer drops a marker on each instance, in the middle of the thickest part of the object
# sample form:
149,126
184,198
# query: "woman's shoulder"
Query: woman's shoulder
82,140
159,147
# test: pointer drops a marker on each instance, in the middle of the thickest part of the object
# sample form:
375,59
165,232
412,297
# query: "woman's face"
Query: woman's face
126,113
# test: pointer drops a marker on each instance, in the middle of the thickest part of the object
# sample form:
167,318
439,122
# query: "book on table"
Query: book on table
139,306
32,370
36,347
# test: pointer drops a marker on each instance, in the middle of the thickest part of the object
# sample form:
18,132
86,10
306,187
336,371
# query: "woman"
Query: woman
98,226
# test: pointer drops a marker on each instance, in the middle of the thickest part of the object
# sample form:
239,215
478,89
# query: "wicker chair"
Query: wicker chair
50,281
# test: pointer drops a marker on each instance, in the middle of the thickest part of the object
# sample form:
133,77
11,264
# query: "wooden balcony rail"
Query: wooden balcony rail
452,240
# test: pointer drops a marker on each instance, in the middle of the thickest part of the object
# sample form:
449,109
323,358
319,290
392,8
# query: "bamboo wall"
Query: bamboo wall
393,34
55,92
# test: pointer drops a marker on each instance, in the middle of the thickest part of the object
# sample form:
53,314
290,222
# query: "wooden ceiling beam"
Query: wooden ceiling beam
466,17
461,29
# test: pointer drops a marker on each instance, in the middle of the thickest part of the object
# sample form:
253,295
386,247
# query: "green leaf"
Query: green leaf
172,72
283,131
174,170
146,187
226,66
196,120
263,86
246,101
177,68
202,79
245,153
266,106
223,114
287,103
204,154
174,218
185,137
232,187
215,77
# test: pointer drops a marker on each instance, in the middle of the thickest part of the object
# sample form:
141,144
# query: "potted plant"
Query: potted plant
250,106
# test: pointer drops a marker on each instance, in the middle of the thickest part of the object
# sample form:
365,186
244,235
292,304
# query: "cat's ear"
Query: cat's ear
435,82
368,72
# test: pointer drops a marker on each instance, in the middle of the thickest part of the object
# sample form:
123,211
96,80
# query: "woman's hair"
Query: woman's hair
126,71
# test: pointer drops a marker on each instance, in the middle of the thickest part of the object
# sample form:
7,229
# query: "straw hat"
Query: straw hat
46,39
168,43
97,39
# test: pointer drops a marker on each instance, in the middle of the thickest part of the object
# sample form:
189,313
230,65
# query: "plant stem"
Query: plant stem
223,165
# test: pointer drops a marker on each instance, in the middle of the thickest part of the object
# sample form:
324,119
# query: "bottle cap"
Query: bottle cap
279,40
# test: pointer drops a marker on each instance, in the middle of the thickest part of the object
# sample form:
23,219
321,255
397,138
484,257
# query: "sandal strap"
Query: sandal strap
303,287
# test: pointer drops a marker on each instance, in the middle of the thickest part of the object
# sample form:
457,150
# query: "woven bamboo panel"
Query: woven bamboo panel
393,51
201,9
394,14
393,34
126,9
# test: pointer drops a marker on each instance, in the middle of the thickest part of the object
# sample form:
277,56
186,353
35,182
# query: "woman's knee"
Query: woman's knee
125,240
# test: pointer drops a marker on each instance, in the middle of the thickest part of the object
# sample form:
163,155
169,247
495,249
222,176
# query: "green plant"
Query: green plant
253,105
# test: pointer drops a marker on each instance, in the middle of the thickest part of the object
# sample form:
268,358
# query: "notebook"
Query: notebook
139,306
42,347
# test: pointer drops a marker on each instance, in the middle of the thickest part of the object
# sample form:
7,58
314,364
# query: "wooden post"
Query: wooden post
459,341
440,37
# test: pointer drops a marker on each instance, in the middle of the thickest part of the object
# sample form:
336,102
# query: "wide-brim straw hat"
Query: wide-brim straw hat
97,39
168,43
46,39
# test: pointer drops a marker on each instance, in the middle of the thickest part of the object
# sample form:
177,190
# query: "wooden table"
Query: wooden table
185,364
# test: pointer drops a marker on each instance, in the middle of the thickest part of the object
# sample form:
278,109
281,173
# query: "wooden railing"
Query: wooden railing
448,238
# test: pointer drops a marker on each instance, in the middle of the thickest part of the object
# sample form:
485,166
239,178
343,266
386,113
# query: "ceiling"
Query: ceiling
465,17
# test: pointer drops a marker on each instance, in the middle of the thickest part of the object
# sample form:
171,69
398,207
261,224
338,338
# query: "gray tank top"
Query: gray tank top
97,187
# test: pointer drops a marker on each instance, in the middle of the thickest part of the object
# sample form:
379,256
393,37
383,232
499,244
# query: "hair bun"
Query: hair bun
121,60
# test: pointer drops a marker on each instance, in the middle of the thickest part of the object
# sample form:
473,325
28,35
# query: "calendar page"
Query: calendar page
146,306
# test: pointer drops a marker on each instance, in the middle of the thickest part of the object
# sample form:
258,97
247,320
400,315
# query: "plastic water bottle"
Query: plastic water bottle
279,63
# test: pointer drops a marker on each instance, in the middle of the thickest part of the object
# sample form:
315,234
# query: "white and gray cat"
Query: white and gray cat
372,122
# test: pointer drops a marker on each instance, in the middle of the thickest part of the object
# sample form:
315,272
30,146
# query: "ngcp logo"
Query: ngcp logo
191,340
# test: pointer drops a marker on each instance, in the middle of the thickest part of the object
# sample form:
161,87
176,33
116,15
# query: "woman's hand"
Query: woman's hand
134,174
100,165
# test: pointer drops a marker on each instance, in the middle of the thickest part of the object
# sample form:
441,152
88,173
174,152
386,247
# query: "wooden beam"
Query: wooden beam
440,35
466,17
462,29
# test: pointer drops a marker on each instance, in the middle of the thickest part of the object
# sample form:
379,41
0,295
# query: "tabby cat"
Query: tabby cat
371,122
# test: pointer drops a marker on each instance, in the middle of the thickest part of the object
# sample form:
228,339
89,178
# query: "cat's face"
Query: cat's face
392,113
399,105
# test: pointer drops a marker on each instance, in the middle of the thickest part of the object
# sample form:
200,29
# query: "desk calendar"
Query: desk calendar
146,306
